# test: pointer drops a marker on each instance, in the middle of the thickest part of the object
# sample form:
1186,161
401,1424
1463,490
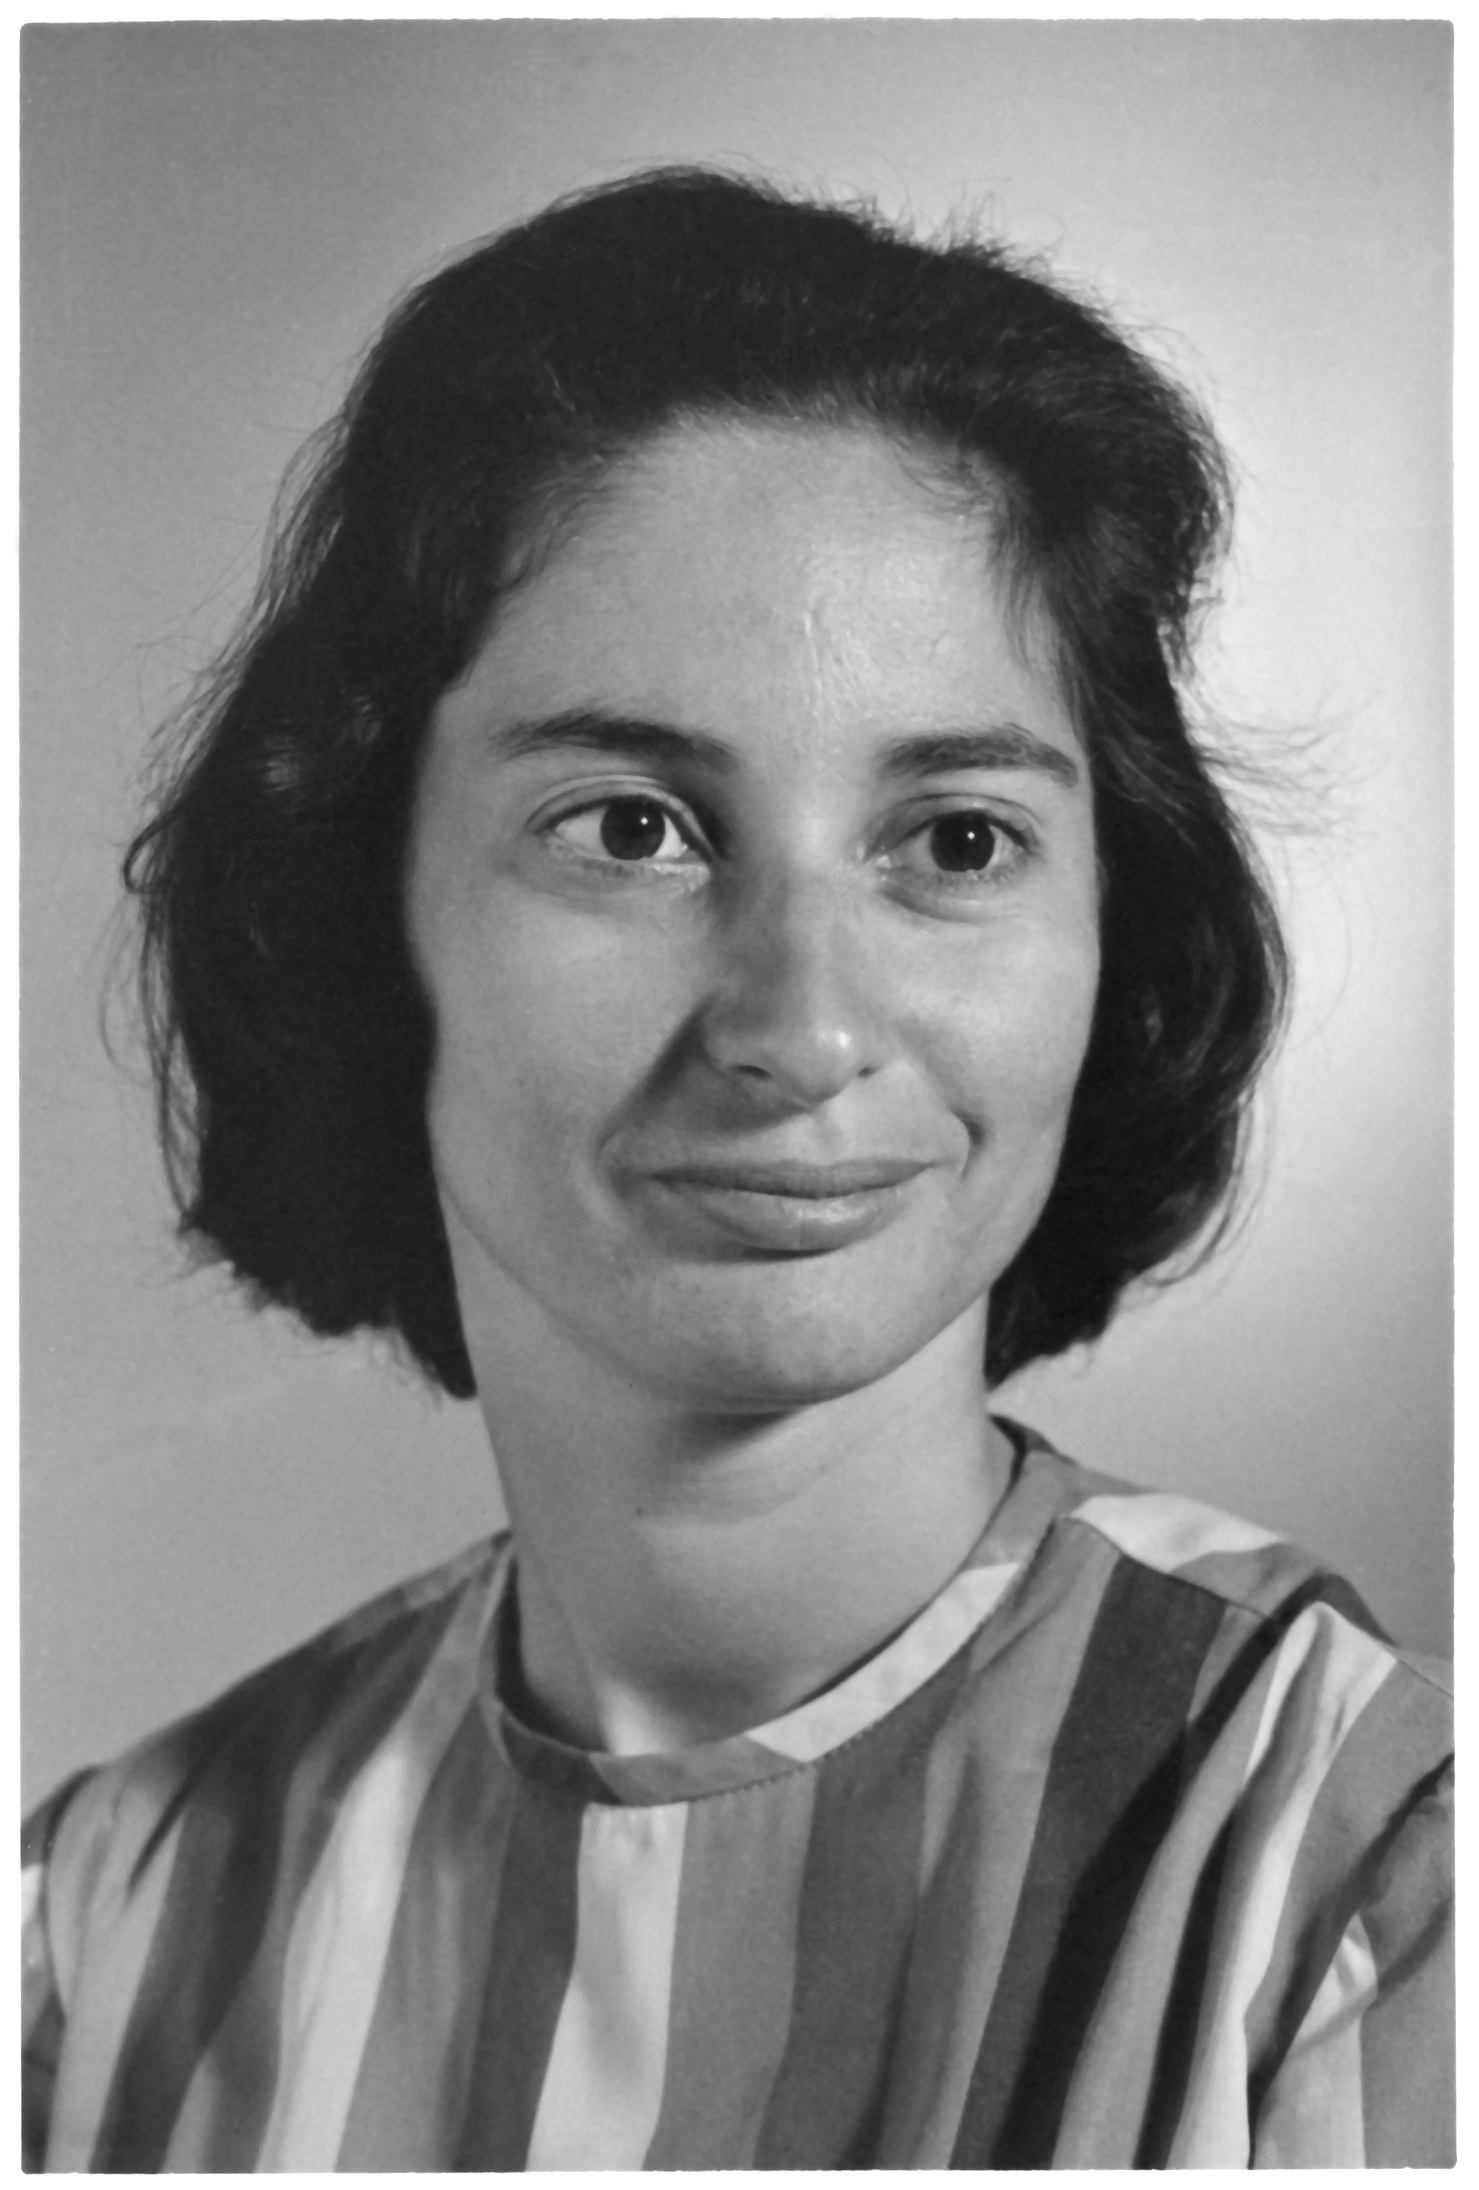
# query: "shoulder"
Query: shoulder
1239,1638
1246,1568
1235,1734
221,1778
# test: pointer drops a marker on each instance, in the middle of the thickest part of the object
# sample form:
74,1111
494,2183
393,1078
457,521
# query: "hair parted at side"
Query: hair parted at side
290,1038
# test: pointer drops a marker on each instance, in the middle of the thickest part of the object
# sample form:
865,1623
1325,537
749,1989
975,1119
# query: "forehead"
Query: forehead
759,567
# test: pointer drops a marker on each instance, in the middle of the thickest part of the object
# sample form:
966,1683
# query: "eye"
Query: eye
635,830
964,843
962,849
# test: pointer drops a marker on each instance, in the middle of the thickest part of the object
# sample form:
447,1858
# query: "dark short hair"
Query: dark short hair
290,1037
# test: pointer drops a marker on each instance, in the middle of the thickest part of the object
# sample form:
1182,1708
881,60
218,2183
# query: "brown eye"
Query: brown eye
963,843
633,828
630,829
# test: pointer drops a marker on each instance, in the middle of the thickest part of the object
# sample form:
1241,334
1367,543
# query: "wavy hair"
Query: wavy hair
290,1039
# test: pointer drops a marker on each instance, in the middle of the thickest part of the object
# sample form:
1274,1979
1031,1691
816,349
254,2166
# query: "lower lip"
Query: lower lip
788,1224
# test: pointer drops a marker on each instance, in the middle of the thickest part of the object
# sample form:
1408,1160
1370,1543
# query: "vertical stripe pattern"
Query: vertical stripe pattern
1131,1850
1313,2116
743,1863
1284,1777
531,1950
1112,1788
343,1927
603,2086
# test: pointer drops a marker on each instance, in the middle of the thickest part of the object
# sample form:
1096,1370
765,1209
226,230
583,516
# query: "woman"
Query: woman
695,905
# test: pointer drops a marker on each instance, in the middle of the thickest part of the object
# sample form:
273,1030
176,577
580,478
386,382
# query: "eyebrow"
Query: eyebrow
1002,746
632,737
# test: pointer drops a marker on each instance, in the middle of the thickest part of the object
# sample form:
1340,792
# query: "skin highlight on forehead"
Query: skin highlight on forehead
698,483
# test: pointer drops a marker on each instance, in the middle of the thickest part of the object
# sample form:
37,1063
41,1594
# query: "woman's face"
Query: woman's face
753,885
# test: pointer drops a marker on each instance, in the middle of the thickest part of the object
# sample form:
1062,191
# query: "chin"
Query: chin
774,1382
779,1354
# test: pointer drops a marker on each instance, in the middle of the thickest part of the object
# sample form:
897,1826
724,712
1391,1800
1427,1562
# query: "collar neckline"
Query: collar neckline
811,1730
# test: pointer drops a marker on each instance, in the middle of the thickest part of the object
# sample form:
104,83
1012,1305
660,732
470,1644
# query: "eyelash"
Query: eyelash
686,827
1020,840
1020,845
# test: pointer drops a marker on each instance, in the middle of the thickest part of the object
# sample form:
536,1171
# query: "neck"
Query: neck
684,1575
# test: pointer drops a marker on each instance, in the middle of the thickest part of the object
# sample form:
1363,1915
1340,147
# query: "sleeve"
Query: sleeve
1368,2080
43,2020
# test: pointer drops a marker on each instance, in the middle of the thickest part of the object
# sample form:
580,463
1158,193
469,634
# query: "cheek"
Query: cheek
544,1032
1012,1046
1026,1052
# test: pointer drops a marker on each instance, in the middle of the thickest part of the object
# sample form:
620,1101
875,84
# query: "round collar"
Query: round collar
811,1730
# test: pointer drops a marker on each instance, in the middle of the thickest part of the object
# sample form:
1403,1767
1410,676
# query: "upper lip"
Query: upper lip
786,1175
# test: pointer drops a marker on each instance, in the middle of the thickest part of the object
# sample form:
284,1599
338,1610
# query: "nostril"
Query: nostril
805,1057
795,1008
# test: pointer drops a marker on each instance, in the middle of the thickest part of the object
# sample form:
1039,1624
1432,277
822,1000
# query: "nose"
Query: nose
796,1014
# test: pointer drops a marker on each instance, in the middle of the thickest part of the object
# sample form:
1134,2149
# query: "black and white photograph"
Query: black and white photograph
736,1140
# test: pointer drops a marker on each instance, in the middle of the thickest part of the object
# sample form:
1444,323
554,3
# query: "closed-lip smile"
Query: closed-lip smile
782,1205
805,1181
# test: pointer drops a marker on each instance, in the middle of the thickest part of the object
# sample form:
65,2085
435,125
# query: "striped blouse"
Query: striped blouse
1127,1852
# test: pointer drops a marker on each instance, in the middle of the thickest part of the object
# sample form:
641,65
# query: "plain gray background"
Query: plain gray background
216,216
